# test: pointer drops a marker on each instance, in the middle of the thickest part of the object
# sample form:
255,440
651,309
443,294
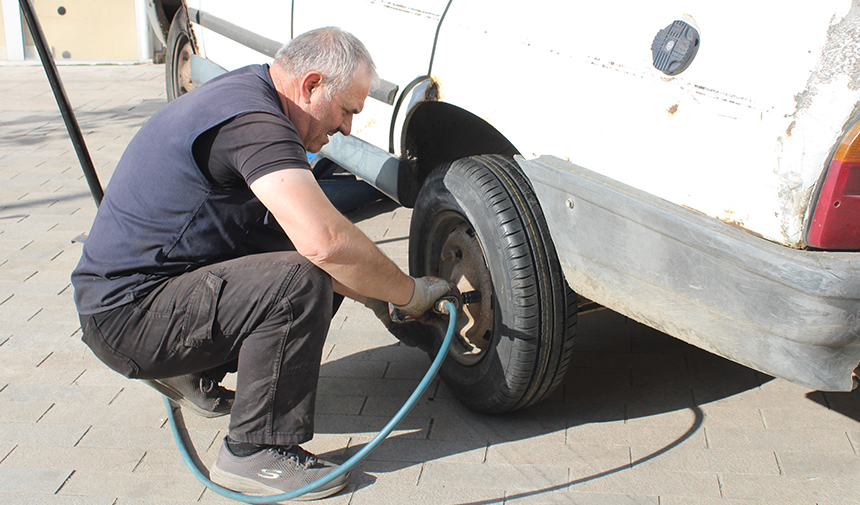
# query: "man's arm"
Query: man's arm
330,241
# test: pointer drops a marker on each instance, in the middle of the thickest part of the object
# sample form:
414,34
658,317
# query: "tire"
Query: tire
477,223
179,49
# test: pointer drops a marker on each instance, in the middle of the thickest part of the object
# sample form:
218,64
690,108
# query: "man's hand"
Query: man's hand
380,308
427,291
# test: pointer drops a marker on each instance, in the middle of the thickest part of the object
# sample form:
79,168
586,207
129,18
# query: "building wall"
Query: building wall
2,36
88,30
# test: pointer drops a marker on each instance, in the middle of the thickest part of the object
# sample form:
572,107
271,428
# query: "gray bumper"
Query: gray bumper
790,313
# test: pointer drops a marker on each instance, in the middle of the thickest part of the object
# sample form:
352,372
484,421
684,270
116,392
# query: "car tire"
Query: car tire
478,223
179,49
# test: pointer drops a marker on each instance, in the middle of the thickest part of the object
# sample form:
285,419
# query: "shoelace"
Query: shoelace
208,386
297,454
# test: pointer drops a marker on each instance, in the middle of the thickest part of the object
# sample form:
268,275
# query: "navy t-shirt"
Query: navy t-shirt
247,147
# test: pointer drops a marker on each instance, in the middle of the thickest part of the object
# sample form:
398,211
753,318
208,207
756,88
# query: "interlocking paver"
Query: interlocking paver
640,419
32,481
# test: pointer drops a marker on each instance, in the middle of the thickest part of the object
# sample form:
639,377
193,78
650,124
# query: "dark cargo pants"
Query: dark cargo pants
271,312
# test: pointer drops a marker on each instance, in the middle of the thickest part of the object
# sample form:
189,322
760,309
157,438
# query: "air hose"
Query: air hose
446,305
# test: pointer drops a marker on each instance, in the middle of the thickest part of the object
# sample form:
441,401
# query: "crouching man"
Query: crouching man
215,250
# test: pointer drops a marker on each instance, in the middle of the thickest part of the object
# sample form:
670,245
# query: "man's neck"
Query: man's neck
287,92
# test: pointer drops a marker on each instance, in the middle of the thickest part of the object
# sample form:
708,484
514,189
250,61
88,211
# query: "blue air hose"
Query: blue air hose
450,308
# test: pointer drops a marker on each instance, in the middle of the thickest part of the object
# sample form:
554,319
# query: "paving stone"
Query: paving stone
808,416
482,476
340,405
383,387
419,451
62,457
87,482
11,356
818,465
363,338
20,392
427,406
712,461
559,498
620,433
386,353
497,429
425,495
151,414
368,426
22,412
538,451
47,435
689,500
32,481
391,472
169,461
824,441
5,450
28,499
141,437
784,489
643,481
729,415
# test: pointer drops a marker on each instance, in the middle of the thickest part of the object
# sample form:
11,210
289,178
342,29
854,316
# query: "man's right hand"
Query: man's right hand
427,291
403,334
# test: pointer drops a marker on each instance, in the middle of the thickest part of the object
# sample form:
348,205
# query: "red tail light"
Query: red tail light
835,223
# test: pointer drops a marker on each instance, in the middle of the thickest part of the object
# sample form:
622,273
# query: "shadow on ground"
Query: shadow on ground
846,403
621,370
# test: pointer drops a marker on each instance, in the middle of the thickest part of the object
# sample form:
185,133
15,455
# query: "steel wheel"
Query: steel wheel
477,223
179,51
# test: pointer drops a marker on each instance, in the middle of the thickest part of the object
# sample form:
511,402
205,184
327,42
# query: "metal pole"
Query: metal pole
63,101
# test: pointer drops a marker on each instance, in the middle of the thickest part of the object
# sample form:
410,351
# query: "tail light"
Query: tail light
835,223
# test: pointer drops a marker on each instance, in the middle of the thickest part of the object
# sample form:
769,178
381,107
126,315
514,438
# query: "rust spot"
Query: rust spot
790,128
672,110
431,93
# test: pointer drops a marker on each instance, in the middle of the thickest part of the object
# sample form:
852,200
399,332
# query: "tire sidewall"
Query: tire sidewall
482,386
176,36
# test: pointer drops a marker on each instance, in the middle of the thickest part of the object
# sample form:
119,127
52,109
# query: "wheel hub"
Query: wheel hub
462,263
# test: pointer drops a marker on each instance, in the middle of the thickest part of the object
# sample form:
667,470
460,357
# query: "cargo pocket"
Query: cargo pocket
93,337
201,310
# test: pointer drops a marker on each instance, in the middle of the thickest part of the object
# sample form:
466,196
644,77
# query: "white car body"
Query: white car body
734,146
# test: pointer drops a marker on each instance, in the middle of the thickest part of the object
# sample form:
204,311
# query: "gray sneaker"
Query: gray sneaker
275,470
197,392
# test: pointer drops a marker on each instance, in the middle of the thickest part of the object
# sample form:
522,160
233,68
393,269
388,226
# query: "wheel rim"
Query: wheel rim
461,261
182,82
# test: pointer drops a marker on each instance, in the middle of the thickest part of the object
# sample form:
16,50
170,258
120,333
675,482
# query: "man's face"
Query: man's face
331,115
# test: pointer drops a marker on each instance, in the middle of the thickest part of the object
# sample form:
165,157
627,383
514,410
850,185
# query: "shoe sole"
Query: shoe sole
181,400
252,487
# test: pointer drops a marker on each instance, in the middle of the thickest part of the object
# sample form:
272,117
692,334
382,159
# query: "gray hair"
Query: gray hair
334,53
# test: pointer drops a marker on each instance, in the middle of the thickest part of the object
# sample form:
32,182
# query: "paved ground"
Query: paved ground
641,418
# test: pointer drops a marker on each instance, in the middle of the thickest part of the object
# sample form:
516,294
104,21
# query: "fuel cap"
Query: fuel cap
674,47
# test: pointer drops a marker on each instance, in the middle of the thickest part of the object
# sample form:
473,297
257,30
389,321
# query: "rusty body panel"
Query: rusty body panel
677,199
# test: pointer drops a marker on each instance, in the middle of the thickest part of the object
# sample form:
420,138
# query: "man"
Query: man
215,248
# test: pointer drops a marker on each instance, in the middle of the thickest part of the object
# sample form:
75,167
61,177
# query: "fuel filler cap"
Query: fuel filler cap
674,47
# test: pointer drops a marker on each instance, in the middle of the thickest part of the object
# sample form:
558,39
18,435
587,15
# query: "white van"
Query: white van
692,165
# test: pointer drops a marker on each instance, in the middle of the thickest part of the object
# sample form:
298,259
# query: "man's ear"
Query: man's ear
311,82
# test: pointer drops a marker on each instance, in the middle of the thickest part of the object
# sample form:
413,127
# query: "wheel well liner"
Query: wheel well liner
437,133
164,12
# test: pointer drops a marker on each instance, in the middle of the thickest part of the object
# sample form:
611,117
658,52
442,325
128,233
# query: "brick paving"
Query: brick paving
640,419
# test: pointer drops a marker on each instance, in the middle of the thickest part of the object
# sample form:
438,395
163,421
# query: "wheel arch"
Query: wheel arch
437,132
160,14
